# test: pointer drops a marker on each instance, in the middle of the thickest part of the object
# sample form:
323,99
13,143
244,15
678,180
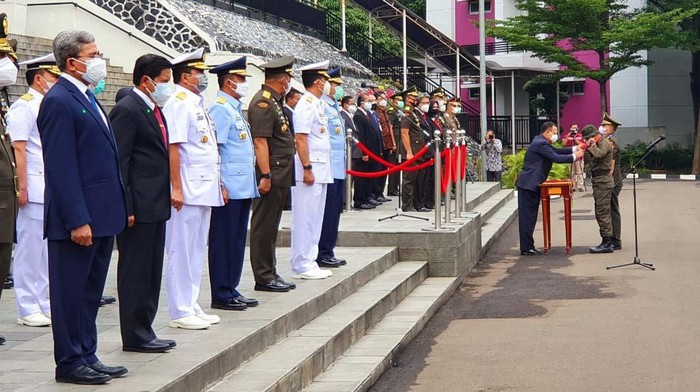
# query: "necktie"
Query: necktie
93,100
159,117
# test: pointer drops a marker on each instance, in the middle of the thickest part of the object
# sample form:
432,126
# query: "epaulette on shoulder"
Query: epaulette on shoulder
28,97
309,99
266,94
181,95
221,100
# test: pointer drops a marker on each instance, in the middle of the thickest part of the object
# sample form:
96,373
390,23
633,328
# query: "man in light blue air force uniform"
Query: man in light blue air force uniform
229,223
335,191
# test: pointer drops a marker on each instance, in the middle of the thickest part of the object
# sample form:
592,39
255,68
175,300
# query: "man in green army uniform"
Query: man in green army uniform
412,141
274,154
393,111
608,128
9,191
599,160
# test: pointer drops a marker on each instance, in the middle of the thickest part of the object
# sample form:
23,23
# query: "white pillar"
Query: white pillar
369,18
342,8
558,106
405,58
458,90
493,95
512,109
482,80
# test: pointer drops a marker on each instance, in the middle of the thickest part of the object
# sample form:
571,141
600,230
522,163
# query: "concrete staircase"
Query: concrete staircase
31,47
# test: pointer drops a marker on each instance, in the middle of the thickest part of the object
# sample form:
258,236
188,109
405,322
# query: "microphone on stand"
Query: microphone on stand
657,141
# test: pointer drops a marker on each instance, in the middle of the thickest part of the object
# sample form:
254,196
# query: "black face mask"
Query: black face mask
434,111
374,106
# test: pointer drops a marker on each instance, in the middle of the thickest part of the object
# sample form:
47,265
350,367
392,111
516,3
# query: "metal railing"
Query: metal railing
526,128
491,48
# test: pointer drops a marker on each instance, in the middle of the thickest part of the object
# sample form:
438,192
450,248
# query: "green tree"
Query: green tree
556,31
543,98
691,33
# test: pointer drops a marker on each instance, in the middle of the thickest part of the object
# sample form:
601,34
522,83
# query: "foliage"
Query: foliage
544,101
513,165
556,31
673,158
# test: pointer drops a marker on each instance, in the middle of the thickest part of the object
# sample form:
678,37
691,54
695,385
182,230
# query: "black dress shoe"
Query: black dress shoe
151,347
250,302
423,209
107,299
374,202
341,261
2,340
363,206
169,342
328,263
84,375
617,244
282,281
8,283
605,247
230,304
531,252
112,371
273,286
383,199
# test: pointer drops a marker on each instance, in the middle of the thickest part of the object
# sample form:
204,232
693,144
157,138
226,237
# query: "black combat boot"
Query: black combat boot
605,247
617,243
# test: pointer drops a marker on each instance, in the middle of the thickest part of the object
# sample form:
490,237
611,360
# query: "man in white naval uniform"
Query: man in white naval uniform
313,172
196,188
31,268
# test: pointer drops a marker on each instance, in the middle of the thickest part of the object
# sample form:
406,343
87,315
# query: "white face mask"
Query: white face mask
383,103
424,108
289,86
555,137
95,70
443,107
601,130
8,72
458,110
242,88
352,109
367,105
327,88
162,93
49,85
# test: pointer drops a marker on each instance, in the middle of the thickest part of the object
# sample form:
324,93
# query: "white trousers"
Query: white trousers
186,236
308,204
31,263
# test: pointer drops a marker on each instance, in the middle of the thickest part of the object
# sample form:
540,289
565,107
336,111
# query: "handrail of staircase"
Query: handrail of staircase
76,5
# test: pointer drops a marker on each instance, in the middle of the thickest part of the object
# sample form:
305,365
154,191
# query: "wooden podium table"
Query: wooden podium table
565,189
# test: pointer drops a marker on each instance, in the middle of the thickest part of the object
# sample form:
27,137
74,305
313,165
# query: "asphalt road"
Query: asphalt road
565,323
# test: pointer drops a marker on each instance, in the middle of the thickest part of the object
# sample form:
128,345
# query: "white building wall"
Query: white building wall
629,101
441,15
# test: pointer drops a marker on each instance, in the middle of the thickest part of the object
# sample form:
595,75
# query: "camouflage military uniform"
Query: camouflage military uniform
598,158
614,199
9,193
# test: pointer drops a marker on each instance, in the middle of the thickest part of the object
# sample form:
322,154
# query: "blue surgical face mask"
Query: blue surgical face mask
162,93
339,93
401,104
100,87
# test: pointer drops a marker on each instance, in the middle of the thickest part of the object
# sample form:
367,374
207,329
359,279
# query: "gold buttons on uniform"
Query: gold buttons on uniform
337,130
323,129
243,135
205,139
284,128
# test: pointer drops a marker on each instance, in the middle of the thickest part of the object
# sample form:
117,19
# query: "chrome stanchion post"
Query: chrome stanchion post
458,180
348,178
466,174
438,163
448,191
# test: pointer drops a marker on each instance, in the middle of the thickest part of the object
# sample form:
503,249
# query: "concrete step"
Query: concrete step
365,361
489,206
479,192
499,221
203,358
292,364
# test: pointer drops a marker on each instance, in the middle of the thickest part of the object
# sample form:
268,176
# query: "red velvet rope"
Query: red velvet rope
421,166
391,170
453,175
448,168
374,156
463,165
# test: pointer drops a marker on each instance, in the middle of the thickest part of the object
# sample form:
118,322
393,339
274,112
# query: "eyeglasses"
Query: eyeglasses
97,55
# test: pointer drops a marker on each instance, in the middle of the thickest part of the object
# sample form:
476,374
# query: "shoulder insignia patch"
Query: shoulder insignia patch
181,95
266,94
221,100
27,97
309,99
263,105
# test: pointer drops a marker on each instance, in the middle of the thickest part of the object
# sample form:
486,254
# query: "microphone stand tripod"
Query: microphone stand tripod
633,171
399,211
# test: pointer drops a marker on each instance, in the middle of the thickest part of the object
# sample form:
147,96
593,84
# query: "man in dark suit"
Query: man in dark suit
348,108
142,140
367,133
538,162
290,102
84,206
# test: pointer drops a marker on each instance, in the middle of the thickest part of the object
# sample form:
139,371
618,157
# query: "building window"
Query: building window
474,94
474,7
577,88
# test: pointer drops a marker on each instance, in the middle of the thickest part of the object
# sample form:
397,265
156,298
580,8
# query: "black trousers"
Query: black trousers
77,275
331,219
380,183
424,195
493,176
5,261
139,276
528,208
362,187
227,235
264,227
394,178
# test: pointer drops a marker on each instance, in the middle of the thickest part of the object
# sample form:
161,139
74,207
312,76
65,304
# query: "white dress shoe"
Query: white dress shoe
313,274
210,318
328,272
48,315
34,320
189,322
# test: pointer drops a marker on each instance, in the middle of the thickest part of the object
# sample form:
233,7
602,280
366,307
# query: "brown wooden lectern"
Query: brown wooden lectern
565,188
